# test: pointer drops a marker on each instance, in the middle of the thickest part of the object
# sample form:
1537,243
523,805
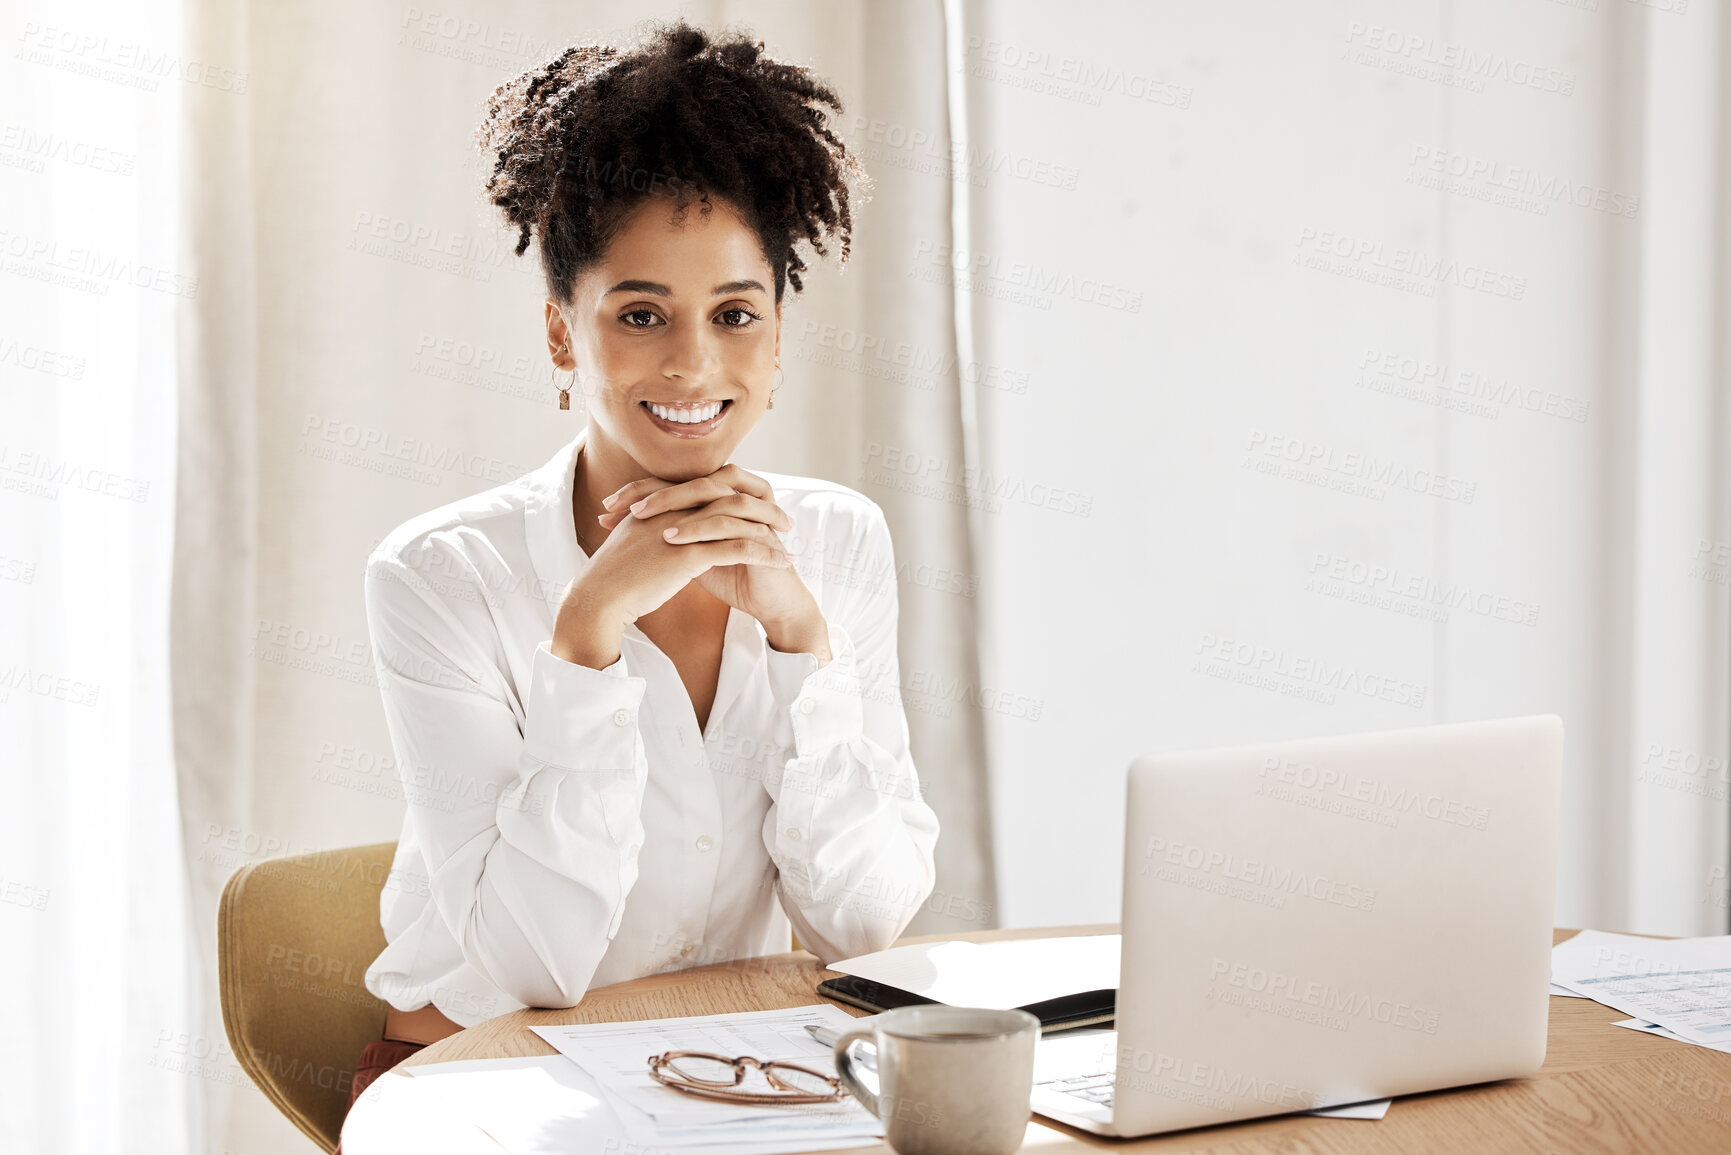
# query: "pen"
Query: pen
828,1036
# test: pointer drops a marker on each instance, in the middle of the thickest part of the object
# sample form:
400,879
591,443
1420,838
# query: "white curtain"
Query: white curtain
97,965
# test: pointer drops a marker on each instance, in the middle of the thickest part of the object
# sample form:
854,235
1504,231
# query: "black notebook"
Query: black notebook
1084,1009
1064,982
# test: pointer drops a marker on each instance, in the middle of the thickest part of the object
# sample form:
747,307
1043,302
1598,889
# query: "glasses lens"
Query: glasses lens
803,1081
703,1069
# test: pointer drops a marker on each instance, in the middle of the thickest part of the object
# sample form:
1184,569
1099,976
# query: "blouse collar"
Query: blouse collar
551,522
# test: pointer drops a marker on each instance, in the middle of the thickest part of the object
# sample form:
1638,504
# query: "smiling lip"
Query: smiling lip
686,429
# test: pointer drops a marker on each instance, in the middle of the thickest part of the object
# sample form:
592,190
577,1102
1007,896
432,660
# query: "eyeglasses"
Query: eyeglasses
718,1077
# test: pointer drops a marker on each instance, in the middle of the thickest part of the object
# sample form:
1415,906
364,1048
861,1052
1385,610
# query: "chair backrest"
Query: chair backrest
294,939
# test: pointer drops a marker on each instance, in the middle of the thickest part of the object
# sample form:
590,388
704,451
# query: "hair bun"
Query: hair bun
579,141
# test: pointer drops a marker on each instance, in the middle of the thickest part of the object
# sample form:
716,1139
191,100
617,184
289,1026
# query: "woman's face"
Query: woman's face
674,335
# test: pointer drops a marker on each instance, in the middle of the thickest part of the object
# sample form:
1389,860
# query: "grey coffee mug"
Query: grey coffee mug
951,1080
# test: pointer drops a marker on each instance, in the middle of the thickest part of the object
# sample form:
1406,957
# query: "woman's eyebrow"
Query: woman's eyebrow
650,287
655,288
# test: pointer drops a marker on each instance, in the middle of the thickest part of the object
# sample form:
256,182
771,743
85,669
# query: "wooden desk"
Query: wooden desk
1602,1088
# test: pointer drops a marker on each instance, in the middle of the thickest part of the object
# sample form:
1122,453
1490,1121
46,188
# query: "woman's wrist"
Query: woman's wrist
803,634
588,630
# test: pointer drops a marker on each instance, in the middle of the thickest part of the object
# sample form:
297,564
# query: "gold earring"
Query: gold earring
565,393
779,375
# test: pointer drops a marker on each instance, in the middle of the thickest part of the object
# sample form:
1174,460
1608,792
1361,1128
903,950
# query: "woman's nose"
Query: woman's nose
690,353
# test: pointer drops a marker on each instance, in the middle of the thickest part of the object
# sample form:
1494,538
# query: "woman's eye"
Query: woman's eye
639,318
737,318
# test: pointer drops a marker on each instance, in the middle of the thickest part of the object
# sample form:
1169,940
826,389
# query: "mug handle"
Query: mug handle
844,1066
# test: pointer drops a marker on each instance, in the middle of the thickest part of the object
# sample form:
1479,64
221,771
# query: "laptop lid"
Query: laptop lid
1330,920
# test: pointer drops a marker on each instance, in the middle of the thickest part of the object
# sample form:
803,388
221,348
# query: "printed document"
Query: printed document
1683,985
616,1056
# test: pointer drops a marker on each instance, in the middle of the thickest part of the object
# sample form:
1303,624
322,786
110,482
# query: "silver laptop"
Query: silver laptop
1324,922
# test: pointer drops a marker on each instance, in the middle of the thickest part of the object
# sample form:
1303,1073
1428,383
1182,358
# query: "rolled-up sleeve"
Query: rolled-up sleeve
530,825
849,832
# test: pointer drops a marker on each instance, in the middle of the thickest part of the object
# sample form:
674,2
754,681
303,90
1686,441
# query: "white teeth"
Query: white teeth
692,415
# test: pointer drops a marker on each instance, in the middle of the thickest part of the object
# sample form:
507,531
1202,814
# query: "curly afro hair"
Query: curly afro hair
580,142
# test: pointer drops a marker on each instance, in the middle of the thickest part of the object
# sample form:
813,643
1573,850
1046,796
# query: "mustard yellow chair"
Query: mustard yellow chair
293,942
294,938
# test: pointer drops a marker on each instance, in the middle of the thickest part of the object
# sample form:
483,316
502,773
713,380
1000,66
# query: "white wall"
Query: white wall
1263,129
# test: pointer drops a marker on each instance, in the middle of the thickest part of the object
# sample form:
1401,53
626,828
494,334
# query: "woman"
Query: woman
637,731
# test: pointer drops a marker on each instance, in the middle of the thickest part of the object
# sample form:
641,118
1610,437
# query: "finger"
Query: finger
727,479
733,504
632,491
740,551
744,481
686,495
718,527
751,508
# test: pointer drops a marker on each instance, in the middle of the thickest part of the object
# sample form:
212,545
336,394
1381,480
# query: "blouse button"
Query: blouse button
806,705
622,717
792,834
704,842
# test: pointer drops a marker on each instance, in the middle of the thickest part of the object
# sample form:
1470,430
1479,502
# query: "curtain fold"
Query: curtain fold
217,529
1675,788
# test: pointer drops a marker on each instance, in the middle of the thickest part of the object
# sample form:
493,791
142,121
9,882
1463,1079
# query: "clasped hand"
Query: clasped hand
718,530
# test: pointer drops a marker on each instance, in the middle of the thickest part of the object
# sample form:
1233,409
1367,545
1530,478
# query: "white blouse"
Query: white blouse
570,827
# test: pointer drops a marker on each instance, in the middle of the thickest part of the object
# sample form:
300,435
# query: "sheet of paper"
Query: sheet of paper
994,974
1094,1051
547,1105
1565,992
616,1056
1075,1054
1374,1109
1656,1029
1683,984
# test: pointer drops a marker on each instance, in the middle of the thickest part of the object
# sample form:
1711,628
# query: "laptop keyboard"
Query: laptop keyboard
1096,1089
